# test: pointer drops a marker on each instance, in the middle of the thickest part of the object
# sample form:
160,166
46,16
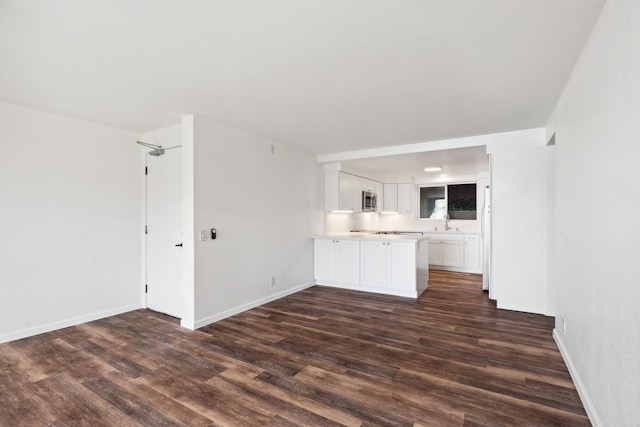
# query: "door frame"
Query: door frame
144,165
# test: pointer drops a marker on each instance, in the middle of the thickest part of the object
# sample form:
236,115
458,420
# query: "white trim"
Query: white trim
456,269
577,381
143,234
24,333
244,307
360,288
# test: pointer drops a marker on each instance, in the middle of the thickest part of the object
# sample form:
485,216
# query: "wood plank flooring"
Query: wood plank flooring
321,357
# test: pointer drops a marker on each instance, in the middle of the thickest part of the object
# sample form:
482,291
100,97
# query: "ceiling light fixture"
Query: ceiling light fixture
432,169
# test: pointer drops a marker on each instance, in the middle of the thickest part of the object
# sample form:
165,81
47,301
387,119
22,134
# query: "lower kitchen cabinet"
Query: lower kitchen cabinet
472,254
388,264
391,267
446,250
455,252
337,260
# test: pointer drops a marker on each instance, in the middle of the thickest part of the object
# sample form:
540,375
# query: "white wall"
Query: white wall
518,208
597,128
69,222
264,206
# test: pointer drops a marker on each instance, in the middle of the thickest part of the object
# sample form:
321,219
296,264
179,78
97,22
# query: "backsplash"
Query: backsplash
345,222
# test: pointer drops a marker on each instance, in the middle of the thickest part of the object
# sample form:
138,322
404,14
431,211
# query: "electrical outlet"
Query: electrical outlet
272,282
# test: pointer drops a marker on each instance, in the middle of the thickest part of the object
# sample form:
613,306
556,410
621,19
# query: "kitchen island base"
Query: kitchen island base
391,265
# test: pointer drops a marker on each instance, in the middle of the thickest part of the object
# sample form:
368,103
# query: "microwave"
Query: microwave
369,201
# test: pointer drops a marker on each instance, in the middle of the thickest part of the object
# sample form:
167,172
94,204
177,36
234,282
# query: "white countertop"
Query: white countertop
356,235
451,232
373,236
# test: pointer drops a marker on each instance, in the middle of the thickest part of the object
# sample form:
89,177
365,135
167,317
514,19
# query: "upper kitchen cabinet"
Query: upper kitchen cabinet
343,192
398,198
368,185
390,203
405,199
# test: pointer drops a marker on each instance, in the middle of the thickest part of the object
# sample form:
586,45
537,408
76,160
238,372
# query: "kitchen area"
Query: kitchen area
388,220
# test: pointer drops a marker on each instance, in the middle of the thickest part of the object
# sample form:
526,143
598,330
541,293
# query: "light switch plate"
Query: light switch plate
203,235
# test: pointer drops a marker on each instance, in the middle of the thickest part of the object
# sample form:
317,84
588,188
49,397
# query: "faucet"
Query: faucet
446,223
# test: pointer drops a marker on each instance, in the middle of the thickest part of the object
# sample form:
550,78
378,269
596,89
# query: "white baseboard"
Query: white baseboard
248,306
582,391
457,269
384,291
35,330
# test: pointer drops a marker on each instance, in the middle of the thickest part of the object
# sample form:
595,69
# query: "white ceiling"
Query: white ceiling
326,76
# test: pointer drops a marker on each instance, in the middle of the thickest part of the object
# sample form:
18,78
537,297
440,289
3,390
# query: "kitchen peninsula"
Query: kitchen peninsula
393,264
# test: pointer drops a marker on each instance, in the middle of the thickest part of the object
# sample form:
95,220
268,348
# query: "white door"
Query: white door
164,232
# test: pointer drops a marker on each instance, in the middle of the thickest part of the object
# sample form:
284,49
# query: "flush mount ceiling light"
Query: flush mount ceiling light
432,169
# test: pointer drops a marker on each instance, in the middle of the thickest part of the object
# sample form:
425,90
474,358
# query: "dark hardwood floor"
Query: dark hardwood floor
321,357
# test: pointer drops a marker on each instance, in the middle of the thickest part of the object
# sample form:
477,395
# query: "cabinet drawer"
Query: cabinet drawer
471,237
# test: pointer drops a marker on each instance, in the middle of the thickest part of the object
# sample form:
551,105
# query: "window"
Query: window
432,202
456,200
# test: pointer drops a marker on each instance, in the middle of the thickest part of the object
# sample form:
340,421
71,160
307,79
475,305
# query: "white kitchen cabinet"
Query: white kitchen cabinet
405,198
390,202
337,260
351,192
435,252
455,252
373,263
342,192
472,254
402,266
386,264
380,193
368,185
324,259
446,250
398,198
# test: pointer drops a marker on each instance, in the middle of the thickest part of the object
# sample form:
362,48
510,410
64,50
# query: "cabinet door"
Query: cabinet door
402,265
435,252
348,261
373,263
472,252
345,195
350,192
404,198
356,193
390,202
452,254
368,185
324,260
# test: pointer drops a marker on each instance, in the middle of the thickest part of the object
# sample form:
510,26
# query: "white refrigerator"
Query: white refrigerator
486,238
